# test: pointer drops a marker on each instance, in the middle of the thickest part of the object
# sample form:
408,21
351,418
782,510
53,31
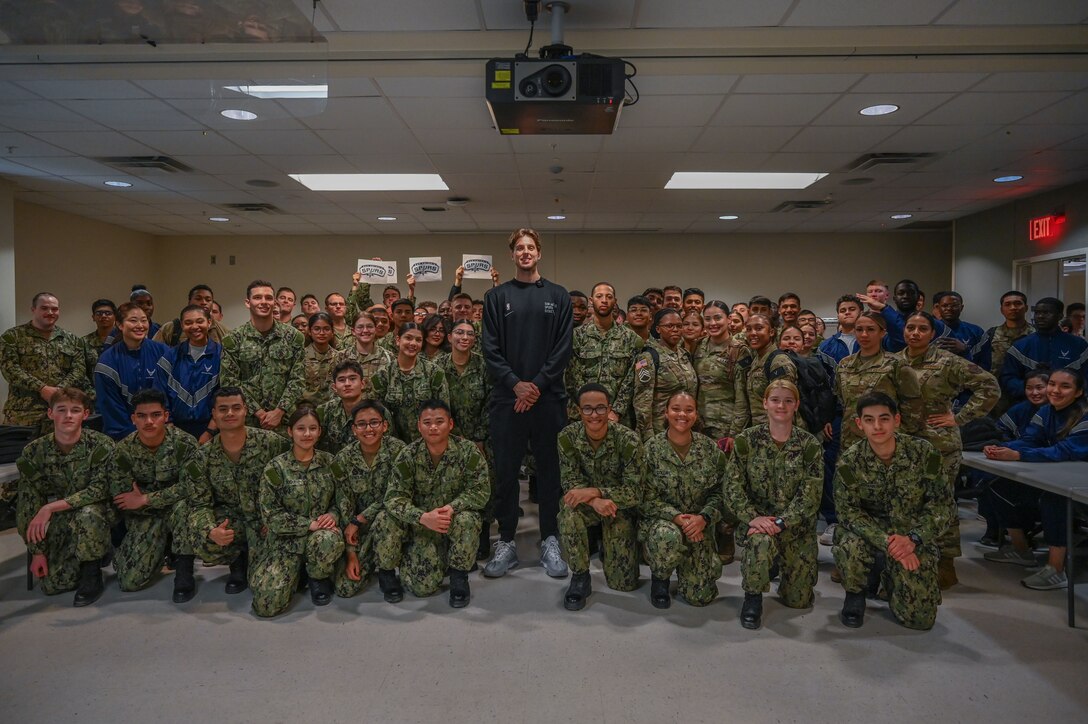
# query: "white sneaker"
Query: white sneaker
828,536
553,562
1047,579
504,558
1008,554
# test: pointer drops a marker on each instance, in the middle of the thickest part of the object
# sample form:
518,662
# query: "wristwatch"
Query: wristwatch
915,538
780,523
705,517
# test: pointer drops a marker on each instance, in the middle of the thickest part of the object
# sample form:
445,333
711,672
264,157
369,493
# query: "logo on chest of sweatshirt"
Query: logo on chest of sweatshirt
549,307
1065,354
508,311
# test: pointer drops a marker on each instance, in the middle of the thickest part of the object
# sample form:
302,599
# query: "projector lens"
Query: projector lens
556,80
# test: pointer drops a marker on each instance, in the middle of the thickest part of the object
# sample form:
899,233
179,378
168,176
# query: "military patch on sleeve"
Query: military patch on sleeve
933,464
640,364
644,375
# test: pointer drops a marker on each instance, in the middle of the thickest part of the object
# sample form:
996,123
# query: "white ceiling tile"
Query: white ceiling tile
67,166
845,111
1071,110
361,113
84,89
837,138
657,111
918,82
308,164
1028,137
998,108
465,140
926,139
357,141
777,110
392,163
206,113
629,162
31,115
364,16
671,85
554,144
13,91
1034,81
543,163
652,140
600,14
187,143
137,115
432,86
473,162
736,161
468,183
861,13
195,88
722,139
425,113
252,165
1013,12
351,87
298,143
97,143
17,145
711,13
799,83
808,162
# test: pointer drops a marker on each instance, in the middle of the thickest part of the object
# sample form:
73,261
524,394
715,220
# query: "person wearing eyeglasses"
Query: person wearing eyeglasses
335,415
661,369
600,470
104,315
367,467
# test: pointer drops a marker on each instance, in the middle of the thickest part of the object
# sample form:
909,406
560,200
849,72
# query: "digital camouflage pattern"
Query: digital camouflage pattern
80,477
616,469
267,367
401,392
875,500
689,486
157,473
370,363
460,479
293,495
1000,342
470,395
883,372
96,344
225,490
782,482
656,382
361,492
317,372
606,358
782,367
30,361
723,392
336,430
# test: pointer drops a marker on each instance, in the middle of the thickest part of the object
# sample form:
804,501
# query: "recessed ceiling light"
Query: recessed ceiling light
879,110
729,217
117,184
556,217
218,219
371,181
387,218
741,180
1007,179
900,217
236,115
281,91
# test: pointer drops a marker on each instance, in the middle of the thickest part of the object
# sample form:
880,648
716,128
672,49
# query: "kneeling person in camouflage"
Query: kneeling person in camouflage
600,470
61,511
224,477
367,467
146,488
893,507
432,514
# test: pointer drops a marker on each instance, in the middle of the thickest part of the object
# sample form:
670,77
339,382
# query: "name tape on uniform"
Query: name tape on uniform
477,266
426,268
377,272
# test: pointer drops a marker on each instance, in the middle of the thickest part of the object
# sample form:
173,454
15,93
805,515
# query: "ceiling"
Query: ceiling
987,87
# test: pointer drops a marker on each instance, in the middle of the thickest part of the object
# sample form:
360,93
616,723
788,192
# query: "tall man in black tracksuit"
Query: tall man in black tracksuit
528,327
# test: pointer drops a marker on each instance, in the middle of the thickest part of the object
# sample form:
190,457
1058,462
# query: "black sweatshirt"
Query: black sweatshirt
528,328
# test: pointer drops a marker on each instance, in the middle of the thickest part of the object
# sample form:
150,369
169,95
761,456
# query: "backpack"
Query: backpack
817,403
175,334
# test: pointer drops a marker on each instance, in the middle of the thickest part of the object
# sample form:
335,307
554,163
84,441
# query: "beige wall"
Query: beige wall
79,260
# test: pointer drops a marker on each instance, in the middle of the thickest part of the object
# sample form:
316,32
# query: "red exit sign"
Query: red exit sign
1045,227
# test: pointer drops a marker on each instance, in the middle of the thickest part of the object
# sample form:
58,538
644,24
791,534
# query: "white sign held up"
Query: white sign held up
377,272
426,268
477,266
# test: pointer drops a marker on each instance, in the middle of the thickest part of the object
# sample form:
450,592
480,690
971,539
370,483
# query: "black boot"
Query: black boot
238,580
90,584
320,591
578,591
390,586
751,613
483,551
659,592
459,593
853,610
184,583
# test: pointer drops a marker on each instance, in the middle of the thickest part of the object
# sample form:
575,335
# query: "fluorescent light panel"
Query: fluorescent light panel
741,180
281,91
371,181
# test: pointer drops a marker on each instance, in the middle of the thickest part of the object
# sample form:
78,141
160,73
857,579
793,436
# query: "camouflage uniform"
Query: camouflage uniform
29,361
616,469
292,496
164,519
268,367
79,535
401,392
317,372
786,482
370,363
883,372
362,492
605,358
875,500
994,345
336,430
418,486
358,300
225,490
723,393
942,377
470,398
96,344
782,367
342,338
674,486
655,384
389,342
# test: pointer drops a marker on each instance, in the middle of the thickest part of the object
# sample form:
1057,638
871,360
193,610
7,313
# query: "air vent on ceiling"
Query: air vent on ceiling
926,226
433,208
254,208
870,161
791,207
146,163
